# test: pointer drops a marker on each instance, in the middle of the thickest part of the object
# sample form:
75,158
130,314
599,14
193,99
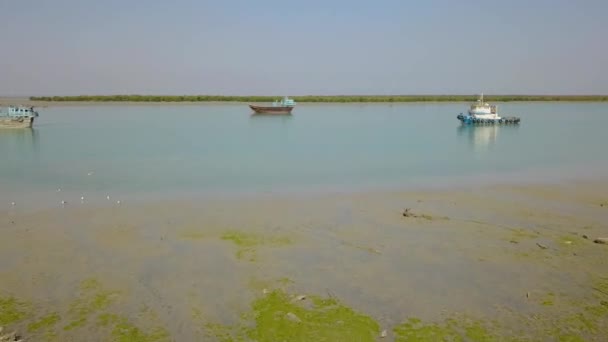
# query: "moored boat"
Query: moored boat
482,112
285,106
17,117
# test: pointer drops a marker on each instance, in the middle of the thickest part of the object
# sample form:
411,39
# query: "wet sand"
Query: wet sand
494,263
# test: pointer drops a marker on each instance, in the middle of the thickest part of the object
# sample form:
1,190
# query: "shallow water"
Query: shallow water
160,151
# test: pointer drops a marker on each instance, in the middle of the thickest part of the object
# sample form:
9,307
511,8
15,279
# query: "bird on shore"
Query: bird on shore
82,199
108,197
63,202
13,204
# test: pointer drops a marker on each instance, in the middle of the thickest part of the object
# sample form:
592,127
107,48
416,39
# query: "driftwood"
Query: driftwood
408,213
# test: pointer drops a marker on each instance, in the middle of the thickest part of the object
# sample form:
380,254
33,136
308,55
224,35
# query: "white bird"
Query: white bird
118,202
82,199
108,197
59,189
63,202
13,204
90,173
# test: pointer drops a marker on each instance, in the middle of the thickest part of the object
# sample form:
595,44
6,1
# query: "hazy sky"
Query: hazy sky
68,47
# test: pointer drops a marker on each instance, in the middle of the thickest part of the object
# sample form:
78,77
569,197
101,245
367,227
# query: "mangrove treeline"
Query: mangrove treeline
313,98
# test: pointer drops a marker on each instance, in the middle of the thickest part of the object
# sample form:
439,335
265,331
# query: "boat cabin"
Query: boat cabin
285,102
481,107
21,111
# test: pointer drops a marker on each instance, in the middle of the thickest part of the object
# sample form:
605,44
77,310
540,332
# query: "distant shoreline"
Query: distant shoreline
320,99
301,100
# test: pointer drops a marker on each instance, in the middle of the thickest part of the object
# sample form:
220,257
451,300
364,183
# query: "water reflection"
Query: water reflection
268,116
18,142
270,119
484,137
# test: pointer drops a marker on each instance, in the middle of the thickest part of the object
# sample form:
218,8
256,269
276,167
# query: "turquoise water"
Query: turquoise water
158,151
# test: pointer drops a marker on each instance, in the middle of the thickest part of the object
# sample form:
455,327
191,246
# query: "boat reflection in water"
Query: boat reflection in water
263,117
484,137
18,143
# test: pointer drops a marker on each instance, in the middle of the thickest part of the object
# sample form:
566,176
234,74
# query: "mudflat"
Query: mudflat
492,263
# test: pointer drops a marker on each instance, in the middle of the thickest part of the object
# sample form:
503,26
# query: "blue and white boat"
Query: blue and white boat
482,112
17,117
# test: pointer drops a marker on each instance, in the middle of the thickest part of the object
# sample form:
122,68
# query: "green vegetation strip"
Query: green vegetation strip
315,98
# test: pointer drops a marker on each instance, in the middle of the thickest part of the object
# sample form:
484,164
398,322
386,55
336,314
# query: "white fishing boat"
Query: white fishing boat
482,112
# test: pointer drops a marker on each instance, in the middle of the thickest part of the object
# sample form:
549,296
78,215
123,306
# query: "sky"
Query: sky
312,47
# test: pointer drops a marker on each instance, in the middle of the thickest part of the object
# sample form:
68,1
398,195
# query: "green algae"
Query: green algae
46,324
585,319
247,243
91,300
12,310
124,331
259,285
600,285
276,316
217,331
451,330
548,299
221,332
94,301
570,338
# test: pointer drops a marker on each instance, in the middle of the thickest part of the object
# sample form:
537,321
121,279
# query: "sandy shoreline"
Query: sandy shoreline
497,262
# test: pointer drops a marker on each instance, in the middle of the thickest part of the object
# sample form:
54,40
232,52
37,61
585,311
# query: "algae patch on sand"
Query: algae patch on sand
92,299
247,243
548,299
585,318
600,285
46,325
46,322
94,302
12,310
450,330
124,331
276,316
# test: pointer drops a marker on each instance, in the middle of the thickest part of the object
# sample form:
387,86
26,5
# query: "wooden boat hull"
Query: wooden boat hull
271,110
27,122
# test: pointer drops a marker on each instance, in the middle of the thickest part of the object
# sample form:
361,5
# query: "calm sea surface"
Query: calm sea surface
174,150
